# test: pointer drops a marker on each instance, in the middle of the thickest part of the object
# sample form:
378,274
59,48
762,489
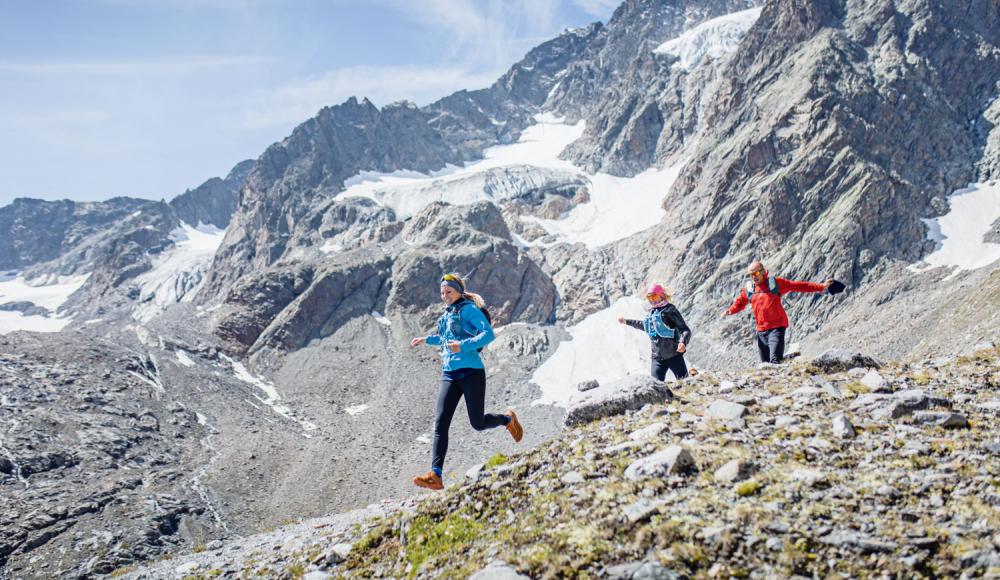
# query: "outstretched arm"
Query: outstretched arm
740,303
786,286
633,323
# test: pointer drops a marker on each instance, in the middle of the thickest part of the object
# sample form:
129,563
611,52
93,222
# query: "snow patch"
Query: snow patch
710,39
271,397
424,438
406,192
618,206
380,318
599,348
49,292
183,358
960,233
356,410
178,271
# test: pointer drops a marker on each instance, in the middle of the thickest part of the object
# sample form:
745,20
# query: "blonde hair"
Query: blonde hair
476,298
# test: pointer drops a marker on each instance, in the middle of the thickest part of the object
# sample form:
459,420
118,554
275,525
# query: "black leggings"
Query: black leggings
455,384
771,344
674,364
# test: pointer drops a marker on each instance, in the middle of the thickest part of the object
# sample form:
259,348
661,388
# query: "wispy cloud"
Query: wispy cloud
598,8
485,34
299,100
118,68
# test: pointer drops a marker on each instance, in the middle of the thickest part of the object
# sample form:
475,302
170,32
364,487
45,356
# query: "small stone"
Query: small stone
498,570
588,385
782,421
946,420
726,410
316,575
648,432
571,478
838,360
641,510
843,428
187,568
475,471
672,460
726,386
810,477
807,392
733,471
873,380
992,406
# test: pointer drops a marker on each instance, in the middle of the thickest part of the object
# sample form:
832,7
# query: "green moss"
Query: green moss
496,460
295,571
745,488
447,537
857,388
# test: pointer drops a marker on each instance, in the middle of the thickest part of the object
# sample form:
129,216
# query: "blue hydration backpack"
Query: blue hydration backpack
457,309
655,327
772,287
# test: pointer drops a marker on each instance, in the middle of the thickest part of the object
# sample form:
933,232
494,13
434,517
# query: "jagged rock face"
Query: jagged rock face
291,177
811,156
473,120
214,201
36,231
473,241
590,85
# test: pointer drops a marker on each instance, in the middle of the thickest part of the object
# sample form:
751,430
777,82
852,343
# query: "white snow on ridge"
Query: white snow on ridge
710,39
618,206
179,270
960,232
14,288
600,348
539,145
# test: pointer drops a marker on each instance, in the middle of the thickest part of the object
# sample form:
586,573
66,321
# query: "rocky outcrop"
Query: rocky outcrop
214,201
36,231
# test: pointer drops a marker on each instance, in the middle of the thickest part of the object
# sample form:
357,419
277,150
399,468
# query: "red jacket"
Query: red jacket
766,307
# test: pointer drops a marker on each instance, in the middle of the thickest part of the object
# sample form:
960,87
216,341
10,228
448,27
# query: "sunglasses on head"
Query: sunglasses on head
450,278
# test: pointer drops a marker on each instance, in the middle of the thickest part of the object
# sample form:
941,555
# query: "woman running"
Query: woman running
462,331
668,334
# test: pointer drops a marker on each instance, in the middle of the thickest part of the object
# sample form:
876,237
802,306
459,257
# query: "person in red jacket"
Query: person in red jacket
763,293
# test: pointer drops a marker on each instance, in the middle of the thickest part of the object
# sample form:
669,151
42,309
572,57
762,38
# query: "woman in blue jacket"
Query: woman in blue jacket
462,331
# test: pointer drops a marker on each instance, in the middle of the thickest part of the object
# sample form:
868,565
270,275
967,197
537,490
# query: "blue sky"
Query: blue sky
146,98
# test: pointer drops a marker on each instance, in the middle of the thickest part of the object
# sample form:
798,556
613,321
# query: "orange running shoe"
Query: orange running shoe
514,427
429,481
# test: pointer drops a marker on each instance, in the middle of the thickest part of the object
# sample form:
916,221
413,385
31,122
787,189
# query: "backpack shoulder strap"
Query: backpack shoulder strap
772,286
749,287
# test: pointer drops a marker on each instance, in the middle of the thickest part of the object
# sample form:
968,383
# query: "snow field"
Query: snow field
960,233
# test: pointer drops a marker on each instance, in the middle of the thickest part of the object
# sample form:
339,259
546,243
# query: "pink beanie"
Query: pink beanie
656,289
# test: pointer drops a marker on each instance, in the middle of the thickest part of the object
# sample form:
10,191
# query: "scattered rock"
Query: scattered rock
873,380
630,393
648,432
572,477
726,410
588,385
672,460
733,471
843,428
498,570
641,510
839,360
946,420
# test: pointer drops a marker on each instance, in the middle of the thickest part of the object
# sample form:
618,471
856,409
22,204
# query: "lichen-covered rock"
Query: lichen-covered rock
616,397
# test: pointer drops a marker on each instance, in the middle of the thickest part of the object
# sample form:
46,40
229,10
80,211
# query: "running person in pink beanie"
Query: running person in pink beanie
668,334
